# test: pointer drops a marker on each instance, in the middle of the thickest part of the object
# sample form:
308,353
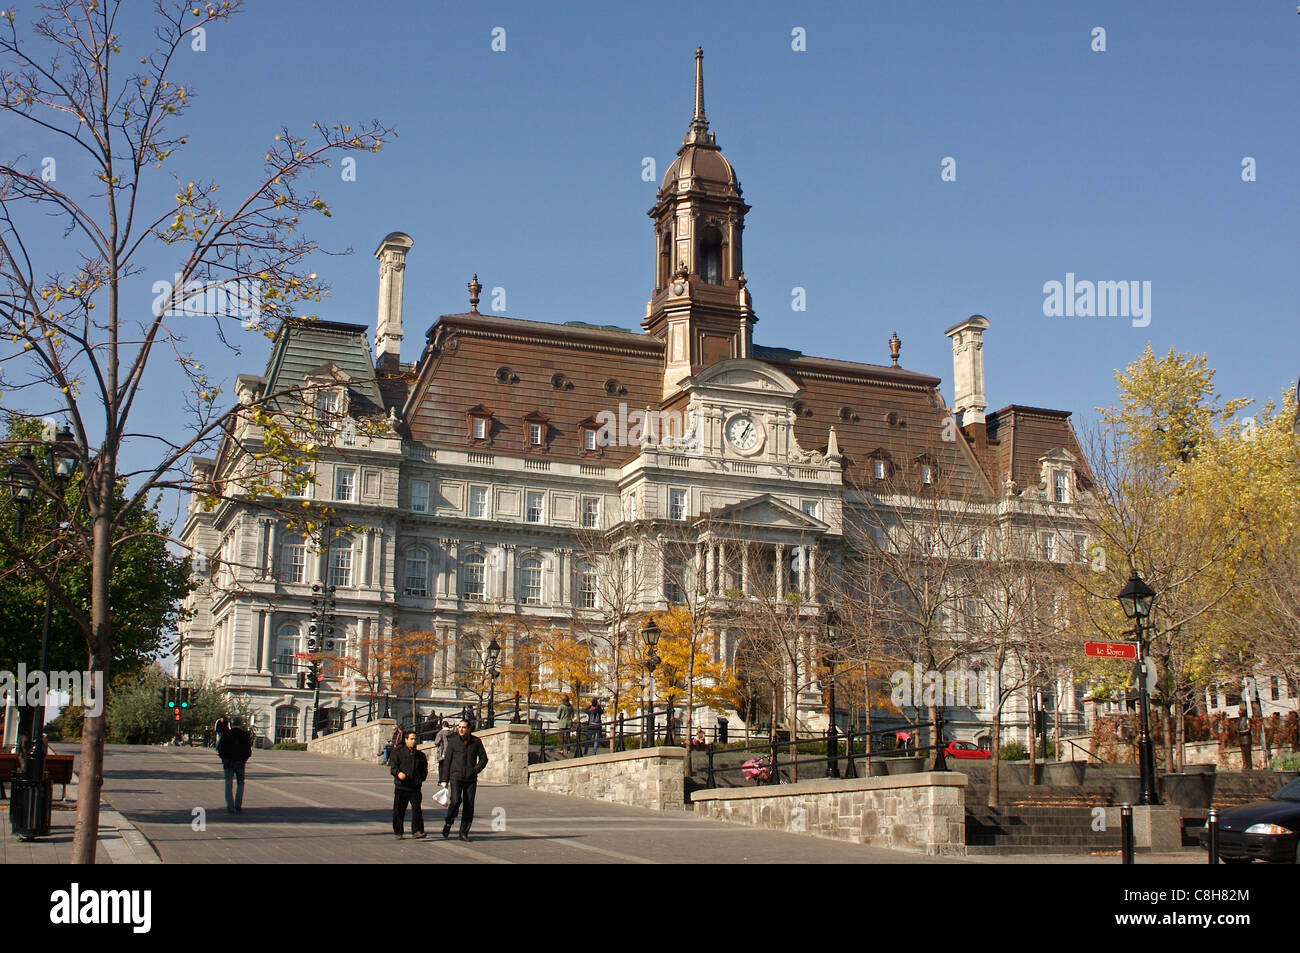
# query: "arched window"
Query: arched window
530,581
586,587
472,576
340,571
417,571
286,649
664,271
711,256
293,559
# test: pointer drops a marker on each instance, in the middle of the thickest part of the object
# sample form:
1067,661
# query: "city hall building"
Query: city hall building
468,483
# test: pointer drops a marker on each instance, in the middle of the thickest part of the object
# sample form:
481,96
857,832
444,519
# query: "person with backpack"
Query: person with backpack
234,749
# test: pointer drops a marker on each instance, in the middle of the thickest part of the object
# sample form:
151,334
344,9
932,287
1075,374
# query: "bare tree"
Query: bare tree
79,343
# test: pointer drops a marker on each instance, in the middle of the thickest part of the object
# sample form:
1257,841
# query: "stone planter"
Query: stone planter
1187,790
1064,772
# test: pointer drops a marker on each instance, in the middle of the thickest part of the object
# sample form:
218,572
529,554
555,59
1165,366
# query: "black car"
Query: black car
1264,830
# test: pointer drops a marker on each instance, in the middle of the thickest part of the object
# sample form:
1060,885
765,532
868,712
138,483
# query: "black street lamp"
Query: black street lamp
493,653
1136,599
650,635
320,634
30,803
830,620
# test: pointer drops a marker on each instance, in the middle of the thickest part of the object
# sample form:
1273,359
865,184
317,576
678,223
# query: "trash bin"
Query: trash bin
29,808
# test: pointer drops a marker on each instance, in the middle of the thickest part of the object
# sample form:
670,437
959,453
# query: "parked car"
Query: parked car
966,750
1263,830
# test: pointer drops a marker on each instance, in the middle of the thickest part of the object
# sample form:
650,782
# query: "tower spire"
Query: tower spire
699,131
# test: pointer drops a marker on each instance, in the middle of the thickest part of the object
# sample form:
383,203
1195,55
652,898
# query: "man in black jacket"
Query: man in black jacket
466,759
234,748
409,768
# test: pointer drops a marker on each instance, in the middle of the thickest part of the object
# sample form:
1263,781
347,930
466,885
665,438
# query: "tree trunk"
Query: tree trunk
1180,731
1033,741
690,709
995,789
90,777
866,742
1166,718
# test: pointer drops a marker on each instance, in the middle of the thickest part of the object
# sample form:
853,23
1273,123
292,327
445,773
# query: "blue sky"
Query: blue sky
525,167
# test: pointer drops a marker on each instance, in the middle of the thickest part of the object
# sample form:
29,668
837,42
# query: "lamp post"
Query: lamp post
1136,599
830,620
493,653
650,635
30,804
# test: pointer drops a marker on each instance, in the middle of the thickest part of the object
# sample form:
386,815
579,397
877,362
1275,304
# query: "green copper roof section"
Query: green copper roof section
303,347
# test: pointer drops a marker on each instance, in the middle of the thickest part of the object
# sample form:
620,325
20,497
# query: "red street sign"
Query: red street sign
1110,649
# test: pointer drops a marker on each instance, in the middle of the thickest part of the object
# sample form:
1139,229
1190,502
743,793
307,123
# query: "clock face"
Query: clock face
744,433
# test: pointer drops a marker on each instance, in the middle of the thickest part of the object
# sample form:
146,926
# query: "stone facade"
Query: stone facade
653,778
925,813
362,743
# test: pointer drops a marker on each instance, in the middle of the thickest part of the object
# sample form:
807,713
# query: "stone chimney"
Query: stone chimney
968,401
391,255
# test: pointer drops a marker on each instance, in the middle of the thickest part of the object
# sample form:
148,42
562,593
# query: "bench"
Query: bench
58,768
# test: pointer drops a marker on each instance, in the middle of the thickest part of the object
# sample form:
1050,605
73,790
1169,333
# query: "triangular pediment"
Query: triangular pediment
765,511
1058,455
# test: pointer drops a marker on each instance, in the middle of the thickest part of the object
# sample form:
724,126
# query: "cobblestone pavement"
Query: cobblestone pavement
307,808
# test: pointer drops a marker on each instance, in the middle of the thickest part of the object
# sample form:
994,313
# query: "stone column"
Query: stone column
509,569
744,568
268,645
803,572
367,545
779,570
812,572
712,569
277,535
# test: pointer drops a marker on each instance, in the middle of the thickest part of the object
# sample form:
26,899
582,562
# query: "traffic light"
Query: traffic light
169,697
185,697
312,679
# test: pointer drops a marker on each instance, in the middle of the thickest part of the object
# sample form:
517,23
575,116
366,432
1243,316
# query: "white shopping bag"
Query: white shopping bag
443,796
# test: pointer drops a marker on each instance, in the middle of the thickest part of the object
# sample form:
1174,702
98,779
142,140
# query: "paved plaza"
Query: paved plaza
307,808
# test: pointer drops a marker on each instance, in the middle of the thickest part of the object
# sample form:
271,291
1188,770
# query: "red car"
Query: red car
966,750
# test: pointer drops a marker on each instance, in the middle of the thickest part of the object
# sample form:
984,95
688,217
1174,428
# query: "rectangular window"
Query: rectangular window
420,496
977,546
535,434
480,428
286,725
472,578
1049,548
1081,548
341,565
344,484
1274,687
530,579
297,480
677,504
533,512
478,502
295,562
589,439
927,474
810,508
879,467
1060,486
590,512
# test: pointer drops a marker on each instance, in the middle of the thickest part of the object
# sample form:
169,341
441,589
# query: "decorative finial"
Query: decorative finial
474,289
894,346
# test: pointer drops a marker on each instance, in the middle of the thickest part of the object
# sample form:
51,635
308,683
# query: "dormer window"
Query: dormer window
1060,486
327,406
927,470
927,474
589,439
479,419
589,430
537,431
880,468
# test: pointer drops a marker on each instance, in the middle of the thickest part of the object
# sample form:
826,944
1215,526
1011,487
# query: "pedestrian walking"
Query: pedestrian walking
409,769
593,724
440,747
219,730
466,760
234,749
564,719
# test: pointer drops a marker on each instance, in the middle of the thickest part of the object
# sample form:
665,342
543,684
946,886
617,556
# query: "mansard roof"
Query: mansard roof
303,348
1021,436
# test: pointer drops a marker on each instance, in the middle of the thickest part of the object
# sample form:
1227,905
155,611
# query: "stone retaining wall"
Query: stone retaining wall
924,812
507,750
650,777
362,743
